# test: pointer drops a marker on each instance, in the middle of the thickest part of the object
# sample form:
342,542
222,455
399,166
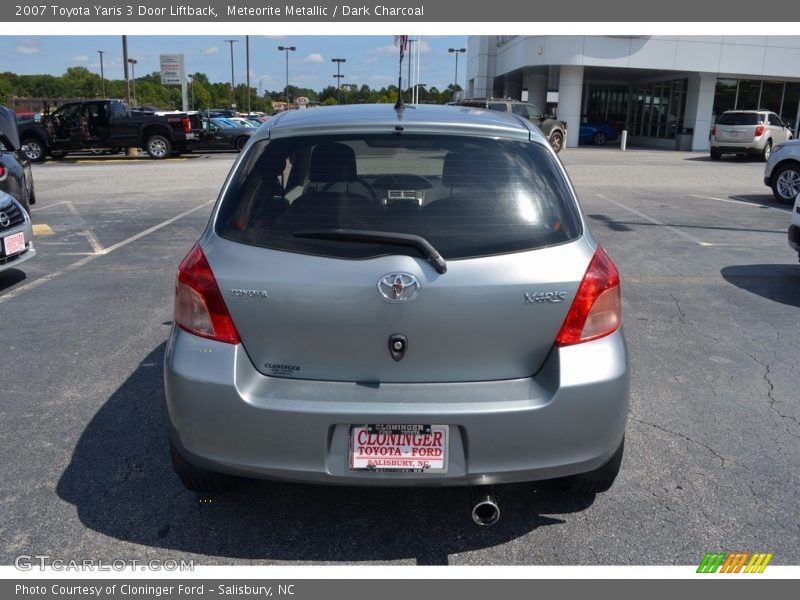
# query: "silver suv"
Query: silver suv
748,132
398,297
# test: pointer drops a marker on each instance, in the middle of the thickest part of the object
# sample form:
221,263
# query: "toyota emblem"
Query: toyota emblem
398,287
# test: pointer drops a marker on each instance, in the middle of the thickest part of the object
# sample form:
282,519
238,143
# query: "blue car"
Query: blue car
597,133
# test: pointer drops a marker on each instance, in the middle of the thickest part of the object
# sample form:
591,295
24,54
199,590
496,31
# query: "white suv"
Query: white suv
748,132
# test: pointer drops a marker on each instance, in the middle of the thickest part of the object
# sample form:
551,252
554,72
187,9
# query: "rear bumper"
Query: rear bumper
226,416
733,148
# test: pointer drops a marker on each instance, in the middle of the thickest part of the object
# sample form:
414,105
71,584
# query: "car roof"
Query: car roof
413,119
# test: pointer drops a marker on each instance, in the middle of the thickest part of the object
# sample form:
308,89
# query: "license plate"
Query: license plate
399,448
14,243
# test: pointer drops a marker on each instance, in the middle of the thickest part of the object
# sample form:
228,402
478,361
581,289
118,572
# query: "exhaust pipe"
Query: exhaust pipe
484,510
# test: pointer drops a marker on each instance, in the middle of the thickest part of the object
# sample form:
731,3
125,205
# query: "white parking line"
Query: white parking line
86,260
735,200
38,208
676,231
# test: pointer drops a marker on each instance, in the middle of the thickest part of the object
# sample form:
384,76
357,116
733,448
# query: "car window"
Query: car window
775,120
740,119
520,109
467,196
499,106
533,112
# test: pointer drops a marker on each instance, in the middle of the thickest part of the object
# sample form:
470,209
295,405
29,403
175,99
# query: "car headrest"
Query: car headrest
470,169
333,163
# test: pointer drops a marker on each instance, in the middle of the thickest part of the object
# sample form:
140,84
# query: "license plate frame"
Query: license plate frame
14,243
412,449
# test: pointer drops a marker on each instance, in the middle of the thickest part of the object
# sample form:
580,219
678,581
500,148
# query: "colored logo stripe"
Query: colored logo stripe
759,561
711,562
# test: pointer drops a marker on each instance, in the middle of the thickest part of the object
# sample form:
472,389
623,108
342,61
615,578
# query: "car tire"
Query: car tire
200,480
557,141
597,481
766,151
599,138
786,182
158,146
36,149
715,154
240,143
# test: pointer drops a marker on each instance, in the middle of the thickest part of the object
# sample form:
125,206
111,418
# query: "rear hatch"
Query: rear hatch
317,255
737,127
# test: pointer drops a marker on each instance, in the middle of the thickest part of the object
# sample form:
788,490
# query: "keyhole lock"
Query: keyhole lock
398,344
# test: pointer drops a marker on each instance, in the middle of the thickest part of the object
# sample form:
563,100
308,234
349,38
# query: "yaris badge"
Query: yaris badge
398,287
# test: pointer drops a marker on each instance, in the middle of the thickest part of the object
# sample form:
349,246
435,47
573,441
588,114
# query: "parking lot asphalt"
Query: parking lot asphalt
711,298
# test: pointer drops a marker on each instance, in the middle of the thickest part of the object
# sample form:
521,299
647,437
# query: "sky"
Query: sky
370,59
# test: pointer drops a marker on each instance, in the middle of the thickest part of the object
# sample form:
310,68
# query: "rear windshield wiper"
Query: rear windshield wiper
380,237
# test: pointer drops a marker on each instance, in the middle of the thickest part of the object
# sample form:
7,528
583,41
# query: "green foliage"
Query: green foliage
79,82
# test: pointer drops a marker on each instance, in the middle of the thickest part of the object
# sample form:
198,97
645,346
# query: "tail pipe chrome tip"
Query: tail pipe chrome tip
484,507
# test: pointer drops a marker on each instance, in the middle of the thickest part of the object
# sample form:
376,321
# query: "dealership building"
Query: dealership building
666,91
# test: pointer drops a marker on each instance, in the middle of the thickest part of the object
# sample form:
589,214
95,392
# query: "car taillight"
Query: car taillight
713,130
2,172
187,124
199,307
759,130
596,310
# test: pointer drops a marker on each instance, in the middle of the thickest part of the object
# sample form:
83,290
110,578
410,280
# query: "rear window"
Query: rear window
466,196
740,119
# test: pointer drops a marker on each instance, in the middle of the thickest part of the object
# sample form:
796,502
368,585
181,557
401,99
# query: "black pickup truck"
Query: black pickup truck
94,124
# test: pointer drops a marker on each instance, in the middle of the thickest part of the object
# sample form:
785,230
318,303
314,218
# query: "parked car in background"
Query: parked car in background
554,130
347,317
782,171
219,133
597,133
748,132
16,176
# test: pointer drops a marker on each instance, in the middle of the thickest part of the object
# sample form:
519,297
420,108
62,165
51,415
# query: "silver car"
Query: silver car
748,132
398,297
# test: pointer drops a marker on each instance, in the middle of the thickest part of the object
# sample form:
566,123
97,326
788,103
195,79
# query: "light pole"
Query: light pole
191,91
102,75
233,99
410,54
133,62
287,49
455,79
338,76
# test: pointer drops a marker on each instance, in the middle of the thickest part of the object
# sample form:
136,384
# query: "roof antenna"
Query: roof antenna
402,41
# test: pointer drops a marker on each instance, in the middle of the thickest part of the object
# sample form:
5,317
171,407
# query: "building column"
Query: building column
480,65
570,96
536,84
699,107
